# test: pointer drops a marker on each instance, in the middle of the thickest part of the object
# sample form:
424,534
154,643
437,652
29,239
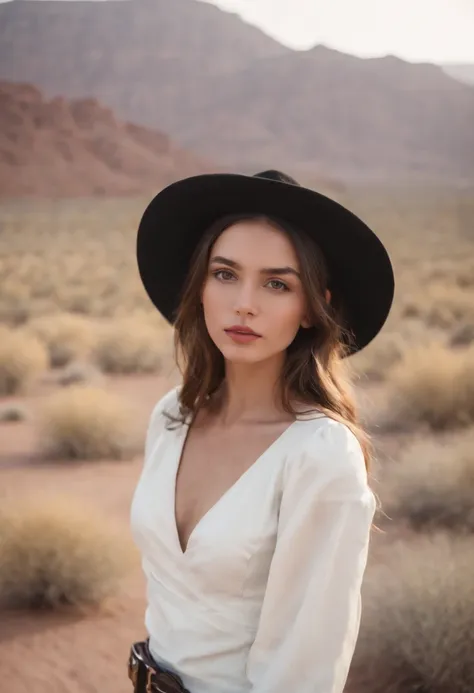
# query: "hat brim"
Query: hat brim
175,220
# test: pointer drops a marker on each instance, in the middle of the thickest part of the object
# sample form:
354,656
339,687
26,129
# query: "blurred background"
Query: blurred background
101,105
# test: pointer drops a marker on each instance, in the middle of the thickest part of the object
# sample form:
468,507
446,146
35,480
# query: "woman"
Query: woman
253,511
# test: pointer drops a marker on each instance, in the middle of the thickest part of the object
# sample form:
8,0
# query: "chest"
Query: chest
225,547
211,466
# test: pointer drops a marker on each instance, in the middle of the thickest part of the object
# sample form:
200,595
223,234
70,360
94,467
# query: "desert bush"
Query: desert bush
462,335
130,346
14,308
67,337
54,554
84,422
432,485
22,359
416,632
465,275
12,413
433,385
79,372
441,305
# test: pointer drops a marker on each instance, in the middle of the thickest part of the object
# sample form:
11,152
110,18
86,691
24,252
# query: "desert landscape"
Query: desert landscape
84,356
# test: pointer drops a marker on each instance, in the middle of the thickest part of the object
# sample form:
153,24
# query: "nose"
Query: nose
246,299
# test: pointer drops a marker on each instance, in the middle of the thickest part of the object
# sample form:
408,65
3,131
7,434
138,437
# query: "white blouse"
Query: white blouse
266,597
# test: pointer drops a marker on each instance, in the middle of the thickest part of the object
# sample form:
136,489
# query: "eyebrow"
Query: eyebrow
264,270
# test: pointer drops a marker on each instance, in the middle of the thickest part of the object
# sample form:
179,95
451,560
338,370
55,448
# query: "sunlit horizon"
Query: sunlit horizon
435,31
438,31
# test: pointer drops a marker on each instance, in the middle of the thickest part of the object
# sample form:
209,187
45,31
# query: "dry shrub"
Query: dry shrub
14,315
376,361
68,337
418,608
79,372
86,423
462,335
22,359
12,413
432,486
14,309
435,386
53,554
130,346
442,305
465,275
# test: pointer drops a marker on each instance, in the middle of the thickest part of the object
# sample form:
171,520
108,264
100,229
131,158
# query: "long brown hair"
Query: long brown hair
314,370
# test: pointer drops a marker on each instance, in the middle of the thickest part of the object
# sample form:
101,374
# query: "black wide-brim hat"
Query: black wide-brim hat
176,219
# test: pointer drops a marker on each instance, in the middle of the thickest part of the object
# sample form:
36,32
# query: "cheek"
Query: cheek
212,300
209,296
288,313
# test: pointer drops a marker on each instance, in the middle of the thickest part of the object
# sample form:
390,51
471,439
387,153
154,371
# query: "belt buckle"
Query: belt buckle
150,683
133,665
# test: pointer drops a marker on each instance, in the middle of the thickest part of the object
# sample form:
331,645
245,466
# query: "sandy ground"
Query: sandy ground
67,653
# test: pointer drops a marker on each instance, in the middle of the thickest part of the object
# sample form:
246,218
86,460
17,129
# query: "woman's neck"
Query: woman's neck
251,393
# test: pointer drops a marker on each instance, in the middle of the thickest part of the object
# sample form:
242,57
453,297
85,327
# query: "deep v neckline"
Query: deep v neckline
177,458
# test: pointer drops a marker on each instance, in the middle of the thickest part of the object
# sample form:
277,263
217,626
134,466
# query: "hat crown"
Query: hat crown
278,176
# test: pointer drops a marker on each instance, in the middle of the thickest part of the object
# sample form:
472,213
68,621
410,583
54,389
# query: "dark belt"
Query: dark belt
147,676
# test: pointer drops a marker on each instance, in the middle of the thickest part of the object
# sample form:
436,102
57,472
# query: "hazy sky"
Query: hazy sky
417,30
432,30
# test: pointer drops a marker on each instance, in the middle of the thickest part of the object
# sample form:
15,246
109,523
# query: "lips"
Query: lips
240,329
242,335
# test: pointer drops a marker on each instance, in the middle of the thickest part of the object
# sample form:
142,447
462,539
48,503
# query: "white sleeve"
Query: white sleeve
311,611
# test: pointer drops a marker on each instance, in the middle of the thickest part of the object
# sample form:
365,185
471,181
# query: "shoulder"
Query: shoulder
168,404
329,457
169,400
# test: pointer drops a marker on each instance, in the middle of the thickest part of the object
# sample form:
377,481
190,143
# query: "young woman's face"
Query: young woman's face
253,283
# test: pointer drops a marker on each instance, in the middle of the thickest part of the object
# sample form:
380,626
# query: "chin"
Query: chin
237,354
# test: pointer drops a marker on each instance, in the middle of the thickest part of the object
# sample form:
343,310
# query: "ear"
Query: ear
305,323
328,296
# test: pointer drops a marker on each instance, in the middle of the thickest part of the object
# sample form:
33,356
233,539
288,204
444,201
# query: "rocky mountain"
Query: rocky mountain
229,92
61,148
464,73
374,117
149,60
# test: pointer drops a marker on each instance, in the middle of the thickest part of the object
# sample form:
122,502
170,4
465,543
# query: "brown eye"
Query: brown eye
223,275
277,285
